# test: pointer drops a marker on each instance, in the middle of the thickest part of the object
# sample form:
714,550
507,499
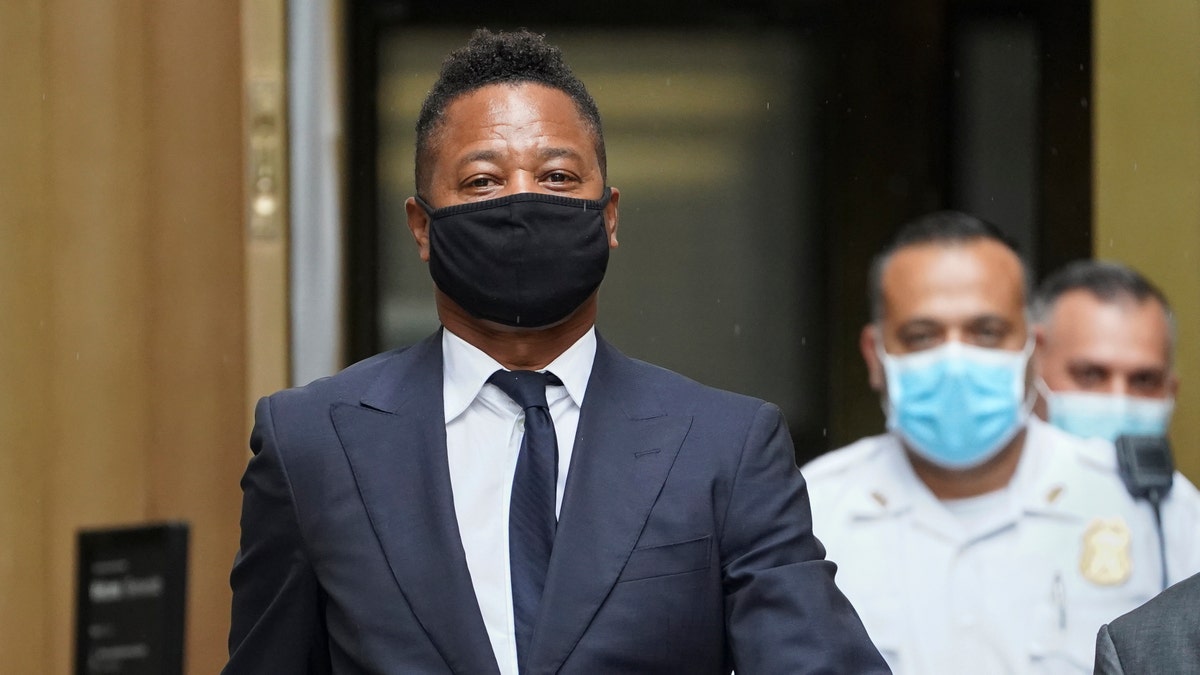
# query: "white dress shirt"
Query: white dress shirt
998,583
483,438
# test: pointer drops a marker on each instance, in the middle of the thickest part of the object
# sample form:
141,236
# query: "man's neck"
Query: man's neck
992,475
517,348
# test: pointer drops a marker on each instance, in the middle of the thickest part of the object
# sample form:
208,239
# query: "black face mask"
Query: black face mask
525,260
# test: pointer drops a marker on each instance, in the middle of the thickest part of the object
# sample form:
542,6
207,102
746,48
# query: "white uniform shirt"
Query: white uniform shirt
1017,581
483,438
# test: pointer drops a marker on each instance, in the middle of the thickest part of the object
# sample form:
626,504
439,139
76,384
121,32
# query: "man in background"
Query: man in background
1105,351
973,537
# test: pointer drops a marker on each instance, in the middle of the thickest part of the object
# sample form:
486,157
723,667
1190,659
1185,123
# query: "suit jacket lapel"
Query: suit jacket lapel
624,449
396,445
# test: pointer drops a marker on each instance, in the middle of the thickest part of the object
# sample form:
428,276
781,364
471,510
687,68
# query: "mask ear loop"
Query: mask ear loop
1044,390
885,392
424,204
1031,393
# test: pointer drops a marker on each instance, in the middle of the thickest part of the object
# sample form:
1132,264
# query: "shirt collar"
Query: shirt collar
1058,466
894,488
466,368
891,486
1038,486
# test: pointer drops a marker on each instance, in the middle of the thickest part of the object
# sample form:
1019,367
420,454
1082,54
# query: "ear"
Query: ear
1173,384
610,217
866,344
418,224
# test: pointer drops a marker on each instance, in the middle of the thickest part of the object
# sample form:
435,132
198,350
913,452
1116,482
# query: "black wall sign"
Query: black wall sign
130,600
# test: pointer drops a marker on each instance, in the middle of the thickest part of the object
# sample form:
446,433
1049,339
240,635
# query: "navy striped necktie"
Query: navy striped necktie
531,517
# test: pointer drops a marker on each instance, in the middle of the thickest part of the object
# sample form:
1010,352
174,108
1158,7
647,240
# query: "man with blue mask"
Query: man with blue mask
973,537
1105,346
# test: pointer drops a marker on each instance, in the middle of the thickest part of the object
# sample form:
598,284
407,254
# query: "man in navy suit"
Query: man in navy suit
429,511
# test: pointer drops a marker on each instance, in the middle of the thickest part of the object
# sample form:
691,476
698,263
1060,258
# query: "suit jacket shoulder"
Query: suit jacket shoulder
675,393
361,378
1161,636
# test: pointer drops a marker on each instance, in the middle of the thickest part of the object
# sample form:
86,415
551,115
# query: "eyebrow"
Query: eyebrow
495,156
554,153
919,322
990,319
479,156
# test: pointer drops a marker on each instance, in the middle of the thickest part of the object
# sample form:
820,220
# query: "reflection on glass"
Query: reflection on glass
995,107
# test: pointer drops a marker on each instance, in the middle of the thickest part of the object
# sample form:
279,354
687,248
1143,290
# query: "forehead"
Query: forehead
953,282
1121,331
511,114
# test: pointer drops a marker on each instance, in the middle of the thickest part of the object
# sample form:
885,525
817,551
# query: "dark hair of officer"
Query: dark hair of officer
948,228
1106,281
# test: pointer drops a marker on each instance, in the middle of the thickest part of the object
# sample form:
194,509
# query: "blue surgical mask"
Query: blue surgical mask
1107,416
957,405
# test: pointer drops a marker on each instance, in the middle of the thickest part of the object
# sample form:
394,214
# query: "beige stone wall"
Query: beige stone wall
24,340
122,354
1147,170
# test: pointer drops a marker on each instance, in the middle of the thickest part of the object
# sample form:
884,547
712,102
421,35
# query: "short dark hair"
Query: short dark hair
501,58
946,228
1106,281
